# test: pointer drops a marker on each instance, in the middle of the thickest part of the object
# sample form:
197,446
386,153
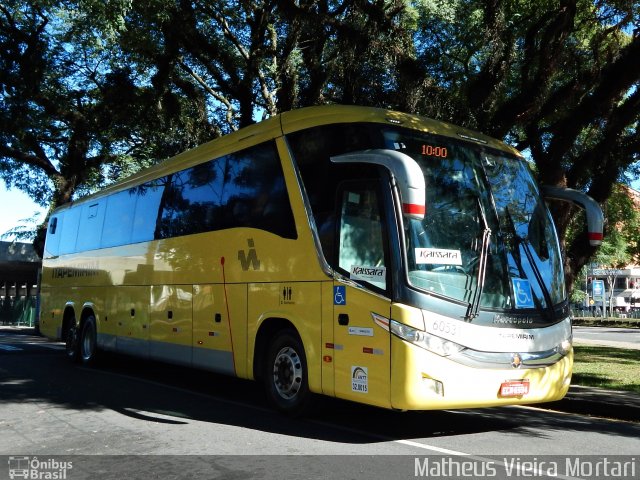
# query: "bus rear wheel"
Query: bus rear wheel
88,344
286,374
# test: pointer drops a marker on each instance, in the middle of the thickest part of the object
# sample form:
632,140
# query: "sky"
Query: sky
16,206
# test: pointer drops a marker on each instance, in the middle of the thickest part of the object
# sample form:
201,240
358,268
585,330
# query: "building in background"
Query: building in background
19,270
625,281
626,286
634,195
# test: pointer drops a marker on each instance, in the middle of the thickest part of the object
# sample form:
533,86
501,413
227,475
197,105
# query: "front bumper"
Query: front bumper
430,381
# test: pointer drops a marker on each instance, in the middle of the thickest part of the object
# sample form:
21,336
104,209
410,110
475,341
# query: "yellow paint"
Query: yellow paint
128,313
211,328
170,314
364,344
301,307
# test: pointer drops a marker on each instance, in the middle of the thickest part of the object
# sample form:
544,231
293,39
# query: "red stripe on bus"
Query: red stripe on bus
414,209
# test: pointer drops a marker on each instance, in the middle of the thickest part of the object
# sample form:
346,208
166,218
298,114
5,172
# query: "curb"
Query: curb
598,402
18,330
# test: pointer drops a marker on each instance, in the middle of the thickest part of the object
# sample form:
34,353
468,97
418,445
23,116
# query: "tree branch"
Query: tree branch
616,79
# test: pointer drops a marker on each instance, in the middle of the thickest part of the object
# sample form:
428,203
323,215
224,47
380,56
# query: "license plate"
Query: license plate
514,388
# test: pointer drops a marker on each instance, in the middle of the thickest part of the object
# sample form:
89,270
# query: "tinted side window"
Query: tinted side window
91,220
52,241
148,204
244,189
118,219
69,232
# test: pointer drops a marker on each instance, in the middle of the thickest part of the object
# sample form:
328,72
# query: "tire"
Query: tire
286,375
88,345
71,341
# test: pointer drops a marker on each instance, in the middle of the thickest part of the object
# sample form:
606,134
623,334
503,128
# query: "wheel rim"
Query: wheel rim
88,343
71,341
287,373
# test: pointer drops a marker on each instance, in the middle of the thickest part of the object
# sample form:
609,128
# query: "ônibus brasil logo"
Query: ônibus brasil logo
34,468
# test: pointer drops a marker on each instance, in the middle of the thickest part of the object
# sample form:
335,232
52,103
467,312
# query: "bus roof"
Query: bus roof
308,117
289,122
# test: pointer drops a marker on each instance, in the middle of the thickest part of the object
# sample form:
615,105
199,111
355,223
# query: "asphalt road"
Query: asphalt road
614,337
145,419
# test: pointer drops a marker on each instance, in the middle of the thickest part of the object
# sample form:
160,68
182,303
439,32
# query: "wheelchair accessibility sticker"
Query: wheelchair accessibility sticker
522,291
339,295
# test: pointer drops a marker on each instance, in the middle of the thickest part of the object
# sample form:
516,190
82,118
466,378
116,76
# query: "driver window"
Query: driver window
361,251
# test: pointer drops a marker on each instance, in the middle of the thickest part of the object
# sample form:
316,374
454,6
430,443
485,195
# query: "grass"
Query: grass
607,367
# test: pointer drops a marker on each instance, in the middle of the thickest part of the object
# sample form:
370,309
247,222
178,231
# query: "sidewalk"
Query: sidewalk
18,330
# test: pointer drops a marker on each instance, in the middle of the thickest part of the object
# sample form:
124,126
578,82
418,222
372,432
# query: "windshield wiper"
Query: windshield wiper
474,305
536,272
519,240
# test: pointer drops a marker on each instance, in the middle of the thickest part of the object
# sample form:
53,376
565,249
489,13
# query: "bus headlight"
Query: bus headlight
565,347
425,340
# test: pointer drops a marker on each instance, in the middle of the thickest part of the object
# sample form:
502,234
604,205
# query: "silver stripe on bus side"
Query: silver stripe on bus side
219,361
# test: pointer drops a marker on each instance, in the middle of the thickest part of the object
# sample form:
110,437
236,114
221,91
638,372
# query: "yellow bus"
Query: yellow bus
360,253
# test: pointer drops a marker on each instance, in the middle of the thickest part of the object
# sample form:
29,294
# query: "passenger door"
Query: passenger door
361,300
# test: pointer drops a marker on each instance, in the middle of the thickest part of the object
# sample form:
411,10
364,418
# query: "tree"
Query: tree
555,78
256,59
622,211
112,86
73,117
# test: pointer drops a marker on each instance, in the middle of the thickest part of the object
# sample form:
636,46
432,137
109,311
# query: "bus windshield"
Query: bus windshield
469,190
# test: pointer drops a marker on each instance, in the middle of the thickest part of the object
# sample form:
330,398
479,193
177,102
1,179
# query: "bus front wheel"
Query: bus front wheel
286,373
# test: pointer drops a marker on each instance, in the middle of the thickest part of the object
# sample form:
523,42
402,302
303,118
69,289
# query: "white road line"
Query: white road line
433,448
513,467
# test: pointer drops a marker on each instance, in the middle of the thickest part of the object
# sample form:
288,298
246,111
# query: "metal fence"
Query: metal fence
599,313
19,311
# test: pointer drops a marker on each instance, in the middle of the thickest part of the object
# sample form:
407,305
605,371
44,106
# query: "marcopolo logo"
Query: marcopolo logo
40,469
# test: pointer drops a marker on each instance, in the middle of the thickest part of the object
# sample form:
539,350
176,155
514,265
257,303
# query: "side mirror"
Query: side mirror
595,217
